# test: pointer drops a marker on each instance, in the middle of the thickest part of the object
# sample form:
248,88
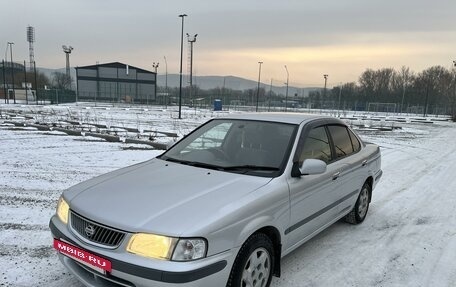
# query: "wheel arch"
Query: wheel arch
273,234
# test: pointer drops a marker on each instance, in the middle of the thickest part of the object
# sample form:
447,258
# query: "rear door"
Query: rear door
352,167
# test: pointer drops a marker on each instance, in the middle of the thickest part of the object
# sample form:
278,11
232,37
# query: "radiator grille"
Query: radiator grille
95,232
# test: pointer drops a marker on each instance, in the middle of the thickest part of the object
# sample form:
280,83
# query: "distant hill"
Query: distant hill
207,82
230,82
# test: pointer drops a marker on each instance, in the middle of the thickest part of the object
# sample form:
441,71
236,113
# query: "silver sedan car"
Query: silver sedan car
219,208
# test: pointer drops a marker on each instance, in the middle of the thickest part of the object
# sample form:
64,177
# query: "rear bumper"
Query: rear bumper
377,176
131,270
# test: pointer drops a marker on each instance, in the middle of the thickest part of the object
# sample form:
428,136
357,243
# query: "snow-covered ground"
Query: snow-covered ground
408,238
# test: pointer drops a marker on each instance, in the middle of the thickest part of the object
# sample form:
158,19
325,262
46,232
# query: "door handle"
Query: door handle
364,162
336,175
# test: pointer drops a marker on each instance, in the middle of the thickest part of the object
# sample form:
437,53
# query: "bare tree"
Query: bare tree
376,85
451,94
61,81
432,86
402,81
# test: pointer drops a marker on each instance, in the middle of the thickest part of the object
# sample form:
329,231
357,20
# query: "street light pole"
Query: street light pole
326,80
286,94
403,94
258,89
12,71
453,112
180,71
166,83
155,66
324,91
338,105
67,51
36,85
5,90
191,41
270,96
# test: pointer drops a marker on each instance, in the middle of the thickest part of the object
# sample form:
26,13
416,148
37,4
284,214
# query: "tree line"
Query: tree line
57,80
432,90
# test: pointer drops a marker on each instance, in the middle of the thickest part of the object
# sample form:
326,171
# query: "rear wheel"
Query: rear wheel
254,263
359,211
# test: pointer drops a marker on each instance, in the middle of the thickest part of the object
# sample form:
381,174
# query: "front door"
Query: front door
312,197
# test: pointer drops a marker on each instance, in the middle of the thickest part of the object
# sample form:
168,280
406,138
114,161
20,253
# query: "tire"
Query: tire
359,211
259,249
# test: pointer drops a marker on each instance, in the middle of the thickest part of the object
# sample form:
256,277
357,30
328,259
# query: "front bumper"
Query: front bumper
132,270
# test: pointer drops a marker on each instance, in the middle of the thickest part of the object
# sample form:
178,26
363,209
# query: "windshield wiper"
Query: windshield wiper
240,168
194,163
251,167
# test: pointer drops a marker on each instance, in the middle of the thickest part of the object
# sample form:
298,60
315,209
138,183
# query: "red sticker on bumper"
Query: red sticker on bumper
82,256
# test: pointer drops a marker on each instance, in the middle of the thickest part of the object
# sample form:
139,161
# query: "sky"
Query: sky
340,38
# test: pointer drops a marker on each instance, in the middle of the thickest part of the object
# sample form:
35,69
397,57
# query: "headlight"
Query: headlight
167,248
153,246
62,210
190,249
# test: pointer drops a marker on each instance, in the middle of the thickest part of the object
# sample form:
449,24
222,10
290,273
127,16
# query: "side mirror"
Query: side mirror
312,166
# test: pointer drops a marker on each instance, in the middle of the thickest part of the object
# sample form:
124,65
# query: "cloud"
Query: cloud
234,35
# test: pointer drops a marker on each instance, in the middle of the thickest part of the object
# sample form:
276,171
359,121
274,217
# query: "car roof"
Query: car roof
289,118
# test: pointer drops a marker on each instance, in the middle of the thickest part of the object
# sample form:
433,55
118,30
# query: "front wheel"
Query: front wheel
359,211
254,263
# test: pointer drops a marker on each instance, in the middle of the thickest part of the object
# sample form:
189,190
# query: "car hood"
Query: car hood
160,197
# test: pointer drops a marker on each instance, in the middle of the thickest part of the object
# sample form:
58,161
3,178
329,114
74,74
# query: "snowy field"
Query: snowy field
407,239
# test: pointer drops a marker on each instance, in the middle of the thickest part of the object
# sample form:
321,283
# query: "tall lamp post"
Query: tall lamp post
180,71
338,105
404,80
324,90
155,66
166,82
5,90
191,40
12,71
67,51
453,111
258,89
286,93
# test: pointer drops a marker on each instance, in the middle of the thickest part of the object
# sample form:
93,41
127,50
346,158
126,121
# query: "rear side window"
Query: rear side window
342,142
355,142
316,146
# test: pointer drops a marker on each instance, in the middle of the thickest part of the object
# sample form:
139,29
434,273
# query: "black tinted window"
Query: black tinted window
316,146
342,142
355,142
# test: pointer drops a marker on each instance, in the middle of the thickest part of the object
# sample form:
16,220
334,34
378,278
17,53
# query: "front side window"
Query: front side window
316,146
244,146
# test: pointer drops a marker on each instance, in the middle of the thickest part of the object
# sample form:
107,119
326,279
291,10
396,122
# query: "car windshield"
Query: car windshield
241,146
